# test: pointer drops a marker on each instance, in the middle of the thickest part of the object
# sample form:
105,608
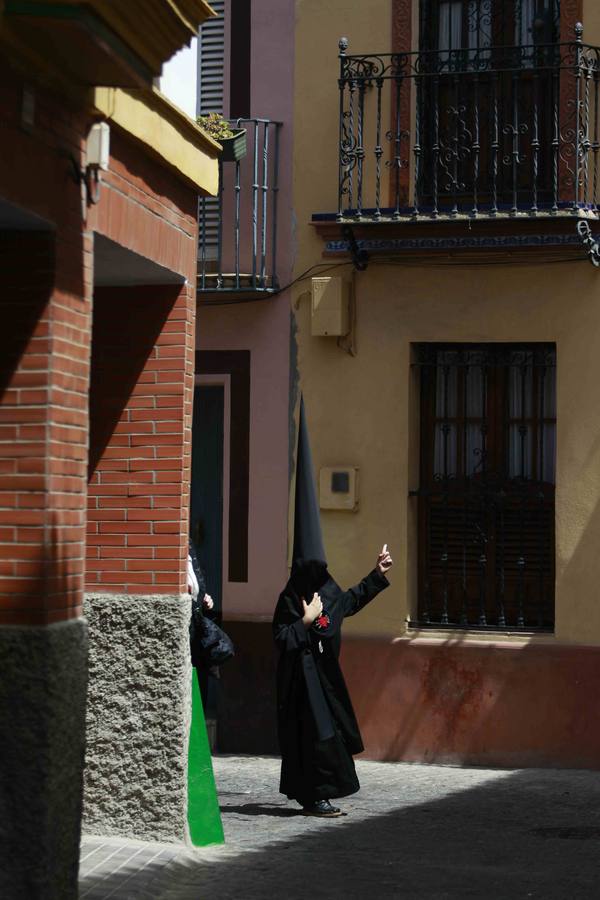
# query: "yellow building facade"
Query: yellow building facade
446,678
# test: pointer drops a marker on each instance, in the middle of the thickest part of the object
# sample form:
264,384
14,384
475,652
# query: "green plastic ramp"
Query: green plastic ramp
204,817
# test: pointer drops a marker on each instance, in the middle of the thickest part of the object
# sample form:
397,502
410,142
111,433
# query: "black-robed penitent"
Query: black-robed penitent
318,731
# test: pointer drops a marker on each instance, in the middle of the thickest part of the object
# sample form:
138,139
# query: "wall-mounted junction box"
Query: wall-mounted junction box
338,488
98,146
330,306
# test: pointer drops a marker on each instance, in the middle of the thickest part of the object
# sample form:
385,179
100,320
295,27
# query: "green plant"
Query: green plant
215,125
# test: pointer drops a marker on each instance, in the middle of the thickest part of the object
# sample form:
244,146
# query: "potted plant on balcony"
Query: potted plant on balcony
232,141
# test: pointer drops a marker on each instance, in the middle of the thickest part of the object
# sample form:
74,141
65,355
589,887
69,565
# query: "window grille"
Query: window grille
486,493
480,125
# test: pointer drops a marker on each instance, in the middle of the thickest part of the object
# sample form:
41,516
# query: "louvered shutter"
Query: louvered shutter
211,62
211,70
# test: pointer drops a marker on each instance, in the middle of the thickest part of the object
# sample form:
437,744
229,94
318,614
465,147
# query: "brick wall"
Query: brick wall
141,393
140,407
147,209
118,411
45,293
142,385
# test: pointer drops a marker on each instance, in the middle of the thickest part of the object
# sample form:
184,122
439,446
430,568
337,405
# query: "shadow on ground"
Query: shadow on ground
526,834
260,809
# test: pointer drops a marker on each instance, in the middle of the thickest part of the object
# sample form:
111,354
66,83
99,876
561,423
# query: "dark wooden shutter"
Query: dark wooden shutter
211,62
211,77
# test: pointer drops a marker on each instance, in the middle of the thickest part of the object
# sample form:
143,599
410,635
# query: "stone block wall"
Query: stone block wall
138,716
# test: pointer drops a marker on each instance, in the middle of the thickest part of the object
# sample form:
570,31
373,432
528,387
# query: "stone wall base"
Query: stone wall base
42,727
138,717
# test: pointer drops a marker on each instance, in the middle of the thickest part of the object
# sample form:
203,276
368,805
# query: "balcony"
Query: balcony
237,253
467,145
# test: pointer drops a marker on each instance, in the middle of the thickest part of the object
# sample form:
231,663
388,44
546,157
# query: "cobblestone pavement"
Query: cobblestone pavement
422,832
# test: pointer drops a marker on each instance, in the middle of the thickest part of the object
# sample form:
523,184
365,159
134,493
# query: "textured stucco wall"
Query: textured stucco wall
378,431
42,727
138,716
591,23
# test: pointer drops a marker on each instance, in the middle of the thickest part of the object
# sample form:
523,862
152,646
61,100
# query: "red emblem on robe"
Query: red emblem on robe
322,622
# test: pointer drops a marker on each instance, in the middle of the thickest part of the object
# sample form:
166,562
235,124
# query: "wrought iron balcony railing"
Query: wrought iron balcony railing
479,133
237,253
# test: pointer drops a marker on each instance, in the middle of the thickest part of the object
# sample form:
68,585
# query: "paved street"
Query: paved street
427,832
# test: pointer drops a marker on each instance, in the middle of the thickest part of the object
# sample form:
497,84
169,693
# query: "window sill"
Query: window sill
460,636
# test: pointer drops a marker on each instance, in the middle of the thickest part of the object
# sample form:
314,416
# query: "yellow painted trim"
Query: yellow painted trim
149,117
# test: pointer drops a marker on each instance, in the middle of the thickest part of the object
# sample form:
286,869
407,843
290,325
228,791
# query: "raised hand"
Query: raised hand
312,610
384,560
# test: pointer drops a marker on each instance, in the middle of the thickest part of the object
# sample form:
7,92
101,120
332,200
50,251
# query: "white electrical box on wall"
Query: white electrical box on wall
330,306
98,146
338,488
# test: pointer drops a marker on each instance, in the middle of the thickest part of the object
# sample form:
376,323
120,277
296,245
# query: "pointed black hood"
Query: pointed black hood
308,540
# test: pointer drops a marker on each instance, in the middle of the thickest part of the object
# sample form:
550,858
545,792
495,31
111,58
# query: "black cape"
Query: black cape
209,645
318,731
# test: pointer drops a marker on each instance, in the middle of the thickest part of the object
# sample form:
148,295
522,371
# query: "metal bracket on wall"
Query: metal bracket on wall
592,246
89,177
360,258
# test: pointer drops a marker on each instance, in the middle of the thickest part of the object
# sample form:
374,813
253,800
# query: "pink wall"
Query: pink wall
263,327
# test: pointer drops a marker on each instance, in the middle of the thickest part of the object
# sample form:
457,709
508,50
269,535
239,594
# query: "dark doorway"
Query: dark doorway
206,506
206,521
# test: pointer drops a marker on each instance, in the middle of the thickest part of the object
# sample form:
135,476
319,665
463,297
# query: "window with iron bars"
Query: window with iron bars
487,484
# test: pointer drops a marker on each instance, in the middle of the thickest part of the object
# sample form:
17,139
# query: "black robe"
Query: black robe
318,731
197,609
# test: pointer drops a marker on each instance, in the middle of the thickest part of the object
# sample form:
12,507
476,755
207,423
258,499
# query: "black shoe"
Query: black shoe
323,809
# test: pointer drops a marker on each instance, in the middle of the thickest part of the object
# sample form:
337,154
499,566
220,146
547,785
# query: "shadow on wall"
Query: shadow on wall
54,584
126,326
524,834
27,270
154,179
459,703
61,573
